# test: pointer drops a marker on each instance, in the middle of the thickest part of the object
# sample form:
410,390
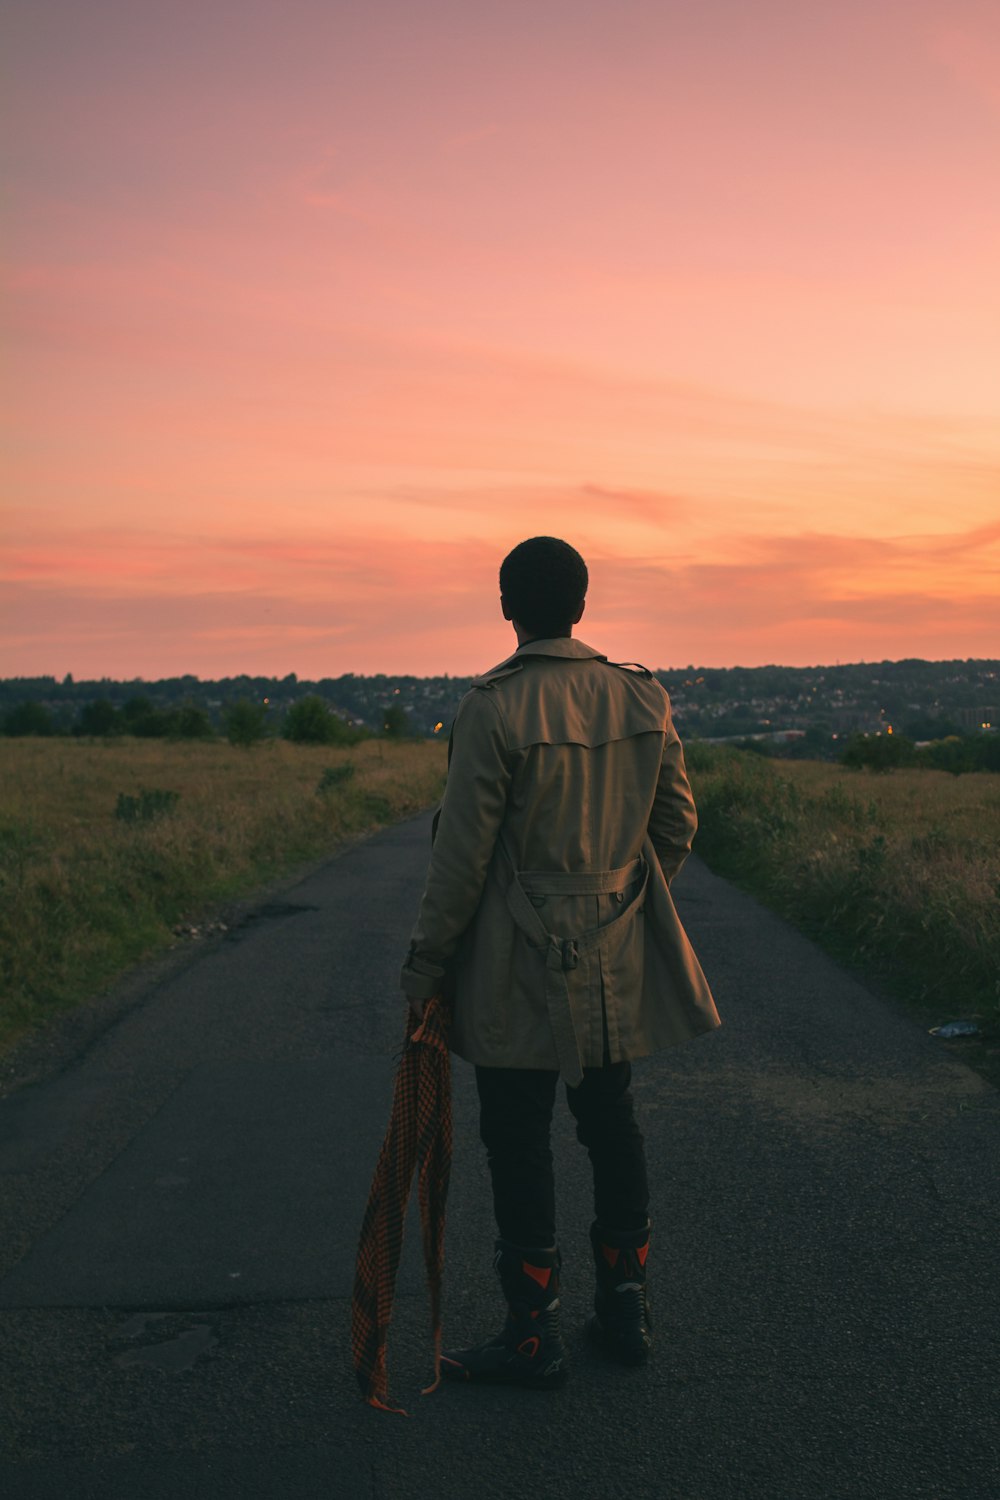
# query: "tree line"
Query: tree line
956,753
308,721
952,751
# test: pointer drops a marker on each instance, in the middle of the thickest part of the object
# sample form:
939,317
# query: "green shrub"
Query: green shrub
878,752
100,718
957,753
28,718
396,723
151,803
190,722
335,776
20,843
311,722
245,722
156,724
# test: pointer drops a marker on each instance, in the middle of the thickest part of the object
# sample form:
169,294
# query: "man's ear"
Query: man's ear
579,614
506,608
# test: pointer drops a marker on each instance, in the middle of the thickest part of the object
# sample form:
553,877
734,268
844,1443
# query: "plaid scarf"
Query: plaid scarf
418,1135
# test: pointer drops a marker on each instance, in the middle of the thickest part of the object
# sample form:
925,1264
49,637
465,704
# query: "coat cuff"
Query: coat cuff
420,979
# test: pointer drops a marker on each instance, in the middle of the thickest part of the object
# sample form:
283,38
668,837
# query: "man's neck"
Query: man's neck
525,637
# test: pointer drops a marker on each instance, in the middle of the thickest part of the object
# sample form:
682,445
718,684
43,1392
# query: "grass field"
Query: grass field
107,846
899,874
99,862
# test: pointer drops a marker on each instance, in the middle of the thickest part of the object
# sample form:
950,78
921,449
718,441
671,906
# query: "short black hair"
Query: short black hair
543,583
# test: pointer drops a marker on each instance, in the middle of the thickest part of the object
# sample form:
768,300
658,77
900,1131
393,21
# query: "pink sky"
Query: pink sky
314,310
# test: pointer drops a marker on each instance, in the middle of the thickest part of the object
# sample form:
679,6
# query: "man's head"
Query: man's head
543,583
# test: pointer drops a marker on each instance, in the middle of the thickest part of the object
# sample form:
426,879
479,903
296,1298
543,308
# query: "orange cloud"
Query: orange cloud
143,605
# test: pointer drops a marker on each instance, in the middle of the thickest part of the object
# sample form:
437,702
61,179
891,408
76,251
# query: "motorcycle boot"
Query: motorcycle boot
622,1322
528,1350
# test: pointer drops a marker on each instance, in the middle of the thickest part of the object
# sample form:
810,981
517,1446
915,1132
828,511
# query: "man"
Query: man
547,922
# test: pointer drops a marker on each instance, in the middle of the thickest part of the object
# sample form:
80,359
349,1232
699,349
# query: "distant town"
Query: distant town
811,709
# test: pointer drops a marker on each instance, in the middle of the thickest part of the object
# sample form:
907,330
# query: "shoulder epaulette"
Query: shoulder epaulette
632,666
497,674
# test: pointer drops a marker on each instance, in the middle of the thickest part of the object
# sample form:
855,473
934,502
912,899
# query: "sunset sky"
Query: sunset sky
316,308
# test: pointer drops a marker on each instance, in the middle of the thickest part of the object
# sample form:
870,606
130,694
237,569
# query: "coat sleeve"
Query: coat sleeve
467,825
673,821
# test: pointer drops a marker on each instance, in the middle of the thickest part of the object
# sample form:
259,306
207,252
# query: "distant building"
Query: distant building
976,718
856,721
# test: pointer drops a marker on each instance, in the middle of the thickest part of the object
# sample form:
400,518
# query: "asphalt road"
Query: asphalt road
180,1202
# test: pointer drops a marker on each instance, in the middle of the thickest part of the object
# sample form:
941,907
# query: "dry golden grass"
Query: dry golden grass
899,873
85,893
912,802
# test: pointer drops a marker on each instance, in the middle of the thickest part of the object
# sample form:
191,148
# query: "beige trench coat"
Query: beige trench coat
546,914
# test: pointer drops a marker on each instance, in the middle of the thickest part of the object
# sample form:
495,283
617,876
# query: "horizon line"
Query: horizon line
423,676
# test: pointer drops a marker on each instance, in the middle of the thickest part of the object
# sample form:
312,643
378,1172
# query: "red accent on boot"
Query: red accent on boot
541,1274
610,1254
642,1252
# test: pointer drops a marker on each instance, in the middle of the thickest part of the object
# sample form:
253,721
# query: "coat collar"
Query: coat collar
566,647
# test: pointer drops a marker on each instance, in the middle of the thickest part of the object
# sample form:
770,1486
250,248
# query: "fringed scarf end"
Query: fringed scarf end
430,1389
396,1411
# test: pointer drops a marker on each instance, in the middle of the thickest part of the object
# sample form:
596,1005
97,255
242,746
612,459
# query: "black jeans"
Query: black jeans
515,1118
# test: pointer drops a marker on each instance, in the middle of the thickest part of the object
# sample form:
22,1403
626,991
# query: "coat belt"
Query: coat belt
562,955
580,882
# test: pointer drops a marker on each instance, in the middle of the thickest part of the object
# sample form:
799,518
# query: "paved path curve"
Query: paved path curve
179,1208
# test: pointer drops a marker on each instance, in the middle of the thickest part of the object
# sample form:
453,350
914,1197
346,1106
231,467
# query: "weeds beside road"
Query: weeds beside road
107,846
898,874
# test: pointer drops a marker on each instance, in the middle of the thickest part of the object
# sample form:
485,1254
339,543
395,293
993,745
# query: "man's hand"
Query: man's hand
417,1010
